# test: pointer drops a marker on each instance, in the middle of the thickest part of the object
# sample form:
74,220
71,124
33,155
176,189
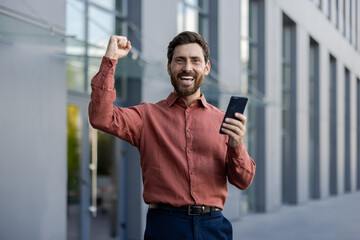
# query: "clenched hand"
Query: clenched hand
118,47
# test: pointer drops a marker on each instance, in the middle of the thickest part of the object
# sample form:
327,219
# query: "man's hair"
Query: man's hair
186,38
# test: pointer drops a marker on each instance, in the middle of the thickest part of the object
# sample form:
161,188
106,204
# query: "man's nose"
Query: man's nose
187,66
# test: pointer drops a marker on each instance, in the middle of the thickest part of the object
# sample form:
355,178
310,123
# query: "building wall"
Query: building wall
32,124
331,41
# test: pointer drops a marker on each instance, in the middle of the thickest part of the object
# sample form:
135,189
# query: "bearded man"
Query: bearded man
185,161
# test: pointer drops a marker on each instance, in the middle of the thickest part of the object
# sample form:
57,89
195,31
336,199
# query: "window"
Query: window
329,9
88,37
198,15
289,195
314,123
358,132
333,127
344,18
75,45
337,13
347,107
350,21
356,24
252,80
320,4
193,15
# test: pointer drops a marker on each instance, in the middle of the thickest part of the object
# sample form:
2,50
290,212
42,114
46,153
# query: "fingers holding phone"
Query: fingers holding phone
235,128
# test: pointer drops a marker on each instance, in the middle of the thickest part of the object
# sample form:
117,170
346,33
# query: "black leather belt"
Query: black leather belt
191,210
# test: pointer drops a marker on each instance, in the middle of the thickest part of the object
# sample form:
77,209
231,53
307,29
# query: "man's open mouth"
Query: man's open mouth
187,80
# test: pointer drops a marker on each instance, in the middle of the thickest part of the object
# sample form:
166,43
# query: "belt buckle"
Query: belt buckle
192,207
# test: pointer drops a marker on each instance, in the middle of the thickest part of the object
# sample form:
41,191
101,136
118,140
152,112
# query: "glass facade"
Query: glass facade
87,40
93,212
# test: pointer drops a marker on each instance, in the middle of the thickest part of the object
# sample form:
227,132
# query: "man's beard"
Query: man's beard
186,91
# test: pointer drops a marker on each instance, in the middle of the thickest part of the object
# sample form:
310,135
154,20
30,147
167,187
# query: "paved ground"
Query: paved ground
335,218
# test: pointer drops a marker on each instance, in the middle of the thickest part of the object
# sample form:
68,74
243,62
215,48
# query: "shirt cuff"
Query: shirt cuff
238,154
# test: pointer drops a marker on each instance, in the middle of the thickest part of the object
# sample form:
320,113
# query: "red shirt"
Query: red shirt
184,159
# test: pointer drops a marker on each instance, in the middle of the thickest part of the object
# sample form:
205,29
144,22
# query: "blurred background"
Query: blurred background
297,61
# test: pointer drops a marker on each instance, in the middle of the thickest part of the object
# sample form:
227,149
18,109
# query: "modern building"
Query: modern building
297,61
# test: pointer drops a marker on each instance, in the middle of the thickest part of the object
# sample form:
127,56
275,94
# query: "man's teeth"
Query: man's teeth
187,78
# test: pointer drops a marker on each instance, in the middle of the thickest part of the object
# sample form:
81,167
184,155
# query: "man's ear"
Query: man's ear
207,68
168,69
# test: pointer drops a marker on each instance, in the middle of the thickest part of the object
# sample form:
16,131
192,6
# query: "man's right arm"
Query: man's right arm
121,122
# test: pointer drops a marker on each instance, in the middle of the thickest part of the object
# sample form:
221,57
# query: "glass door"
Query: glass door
104,191
93,182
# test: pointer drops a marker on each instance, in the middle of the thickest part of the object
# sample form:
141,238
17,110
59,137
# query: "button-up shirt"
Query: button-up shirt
184,159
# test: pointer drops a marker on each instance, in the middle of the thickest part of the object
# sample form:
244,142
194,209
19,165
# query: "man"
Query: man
185,162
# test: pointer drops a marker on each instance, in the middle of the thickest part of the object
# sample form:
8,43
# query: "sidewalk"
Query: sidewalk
333,218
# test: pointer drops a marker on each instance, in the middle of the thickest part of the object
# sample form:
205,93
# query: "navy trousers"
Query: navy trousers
169,225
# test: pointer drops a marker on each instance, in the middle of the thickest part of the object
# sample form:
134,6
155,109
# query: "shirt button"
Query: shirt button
189,150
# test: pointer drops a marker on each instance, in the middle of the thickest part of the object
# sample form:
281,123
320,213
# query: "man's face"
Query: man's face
188,69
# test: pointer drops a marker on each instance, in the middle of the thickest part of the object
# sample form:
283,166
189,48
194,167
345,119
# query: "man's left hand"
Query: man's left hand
235,129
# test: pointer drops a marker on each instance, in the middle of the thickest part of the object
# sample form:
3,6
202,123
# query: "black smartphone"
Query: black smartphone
236,104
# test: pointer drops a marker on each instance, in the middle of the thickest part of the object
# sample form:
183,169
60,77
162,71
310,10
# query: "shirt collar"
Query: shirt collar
171,99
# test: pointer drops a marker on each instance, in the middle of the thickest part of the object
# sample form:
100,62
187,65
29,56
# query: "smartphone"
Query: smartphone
236,104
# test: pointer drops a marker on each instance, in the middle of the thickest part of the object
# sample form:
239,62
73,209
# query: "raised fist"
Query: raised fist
118,47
